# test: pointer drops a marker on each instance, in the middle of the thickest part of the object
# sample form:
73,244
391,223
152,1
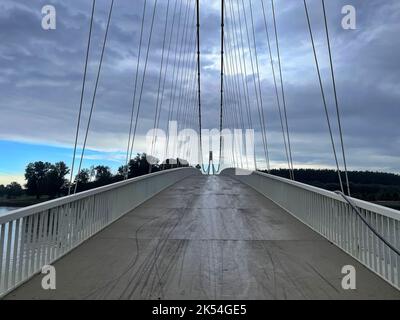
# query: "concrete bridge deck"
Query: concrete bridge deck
206,238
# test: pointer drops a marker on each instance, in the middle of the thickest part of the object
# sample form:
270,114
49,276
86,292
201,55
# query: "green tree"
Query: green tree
35,175
2,190
55,178
139,166
13,190
83,177
82,180
103,175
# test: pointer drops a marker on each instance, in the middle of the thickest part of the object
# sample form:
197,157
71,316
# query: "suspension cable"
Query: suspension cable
160,78
374,231
258,75
282,87
185,72
144,77
276,86
82,95
260,112
190,88
167,65
242,65
186,82
135,90
221,84
336,98
242,70
230,90
178,83
231,121
95,91
234,91
232,60
276,89
176,65
182,74
198,77
323,95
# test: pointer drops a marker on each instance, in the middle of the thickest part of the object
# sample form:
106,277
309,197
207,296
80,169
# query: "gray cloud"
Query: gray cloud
41,74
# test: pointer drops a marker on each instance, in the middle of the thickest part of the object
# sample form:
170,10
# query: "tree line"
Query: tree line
47,179
365,185
12,190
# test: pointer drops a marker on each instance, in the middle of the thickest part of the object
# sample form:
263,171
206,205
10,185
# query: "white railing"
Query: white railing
39,235
331,216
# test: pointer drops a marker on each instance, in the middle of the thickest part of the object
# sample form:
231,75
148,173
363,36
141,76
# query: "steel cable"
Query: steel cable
323,95
82,95
282,87
143,79
336,98
260,115
276,90
126,169
95,91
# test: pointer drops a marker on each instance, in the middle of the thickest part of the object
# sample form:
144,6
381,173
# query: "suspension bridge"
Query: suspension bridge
185,234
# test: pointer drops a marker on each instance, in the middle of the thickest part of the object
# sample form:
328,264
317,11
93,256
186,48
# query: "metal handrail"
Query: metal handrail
372,239
367,223
26,211
389,212
41,234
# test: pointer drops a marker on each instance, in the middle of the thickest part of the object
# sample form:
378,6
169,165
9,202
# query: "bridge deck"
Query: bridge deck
206,238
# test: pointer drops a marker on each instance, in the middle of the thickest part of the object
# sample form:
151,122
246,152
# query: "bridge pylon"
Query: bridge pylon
210,163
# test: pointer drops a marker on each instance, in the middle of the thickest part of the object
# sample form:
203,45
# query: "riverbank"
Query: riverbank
5,210
20,202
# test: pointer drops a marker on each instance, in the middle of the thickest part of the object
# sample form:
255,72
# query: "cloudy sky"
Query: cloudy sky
41,76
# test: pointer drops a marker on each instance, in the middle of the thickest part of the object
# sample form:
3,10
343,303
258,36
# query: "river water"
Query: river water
4,210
